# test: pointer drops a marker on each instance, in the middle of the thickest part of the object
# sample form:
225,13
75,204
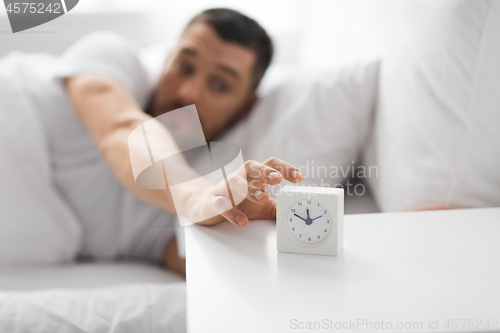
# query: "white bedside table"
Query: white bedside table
435,271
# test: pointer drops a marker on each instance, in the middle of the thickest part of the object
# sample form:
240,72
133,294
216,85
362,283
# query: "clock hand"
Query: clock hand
317,217
300,217
308,220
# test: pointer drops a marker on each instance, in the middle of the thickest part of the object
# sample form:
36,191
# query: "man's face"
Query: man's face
205,70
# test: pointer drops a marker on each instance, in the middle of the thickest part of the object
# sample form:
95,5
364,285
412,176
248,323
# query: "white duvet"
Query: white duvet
36,224
38,227
134,308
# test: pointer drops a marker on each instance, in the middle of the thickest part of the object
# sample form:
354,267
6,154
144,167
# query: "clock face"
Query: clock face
309,221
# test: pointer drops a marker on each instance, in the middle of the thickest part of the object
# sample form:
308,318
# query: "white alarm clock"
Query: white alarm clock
310,220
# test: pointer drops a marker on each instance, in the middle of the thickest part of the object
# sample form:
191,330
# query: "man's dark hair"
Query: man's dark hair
232,26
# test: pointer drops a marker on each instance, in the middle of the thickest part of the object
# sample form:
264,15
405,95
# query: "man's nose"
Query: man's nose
191,90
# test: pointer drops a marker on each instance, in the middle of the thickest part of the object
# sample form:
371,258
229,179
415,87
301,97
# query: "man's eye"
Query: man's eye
186,69
217,85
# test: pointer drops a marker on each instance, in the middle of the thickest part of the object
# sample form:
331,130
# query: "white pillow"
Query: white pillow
436,138
36,225
316,120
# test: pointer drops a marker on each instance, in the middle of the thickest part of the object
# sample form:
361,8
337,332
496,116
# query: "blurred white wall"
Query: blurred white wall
314,32
146,22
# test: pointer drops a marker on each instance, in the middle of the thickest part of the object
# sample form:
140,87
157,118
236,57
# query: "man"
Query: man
104,92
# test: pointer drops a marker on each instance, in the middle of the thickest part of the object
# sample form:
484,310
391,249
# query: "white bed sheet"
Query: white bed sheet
91,298
82,275
118,309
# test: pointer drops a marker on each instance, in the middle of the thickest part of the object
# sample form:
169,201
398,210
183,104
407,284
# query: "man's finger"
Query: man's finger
263,173
257,183
265,211
230,213
241,189
257,195
289,172
236,217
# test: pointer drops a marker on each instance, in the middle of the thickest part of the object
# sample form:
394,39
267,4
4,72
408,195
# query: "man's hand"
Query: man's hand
248,185
110,113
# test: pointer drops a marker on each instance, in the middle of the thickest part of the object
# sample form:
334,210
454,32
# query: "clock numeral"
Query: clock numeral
300,235
318,204
327,221
293,229
290,219
309,202
319,237
326,230
325,212
300,203
309,238
293,210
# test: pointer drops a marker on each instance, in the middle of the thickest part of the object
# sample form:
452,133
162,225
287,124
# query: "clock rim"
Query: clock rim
294,239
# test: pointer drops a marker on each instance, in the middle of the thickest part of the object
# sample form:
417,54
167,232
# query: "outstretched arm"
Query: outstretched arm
110,113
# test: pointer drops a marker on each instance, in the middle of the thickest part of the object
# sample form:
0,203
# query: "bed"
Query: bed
93,297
